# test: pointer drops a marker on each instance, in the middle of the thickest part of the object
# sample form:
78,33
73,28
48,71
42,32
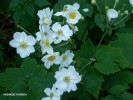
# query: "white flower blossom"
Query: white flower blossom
66,79
23,43
45,16
45,43
51,59
44,30
53,94
66,59
62,32
112,13
131,2
63,12
85,9
73,14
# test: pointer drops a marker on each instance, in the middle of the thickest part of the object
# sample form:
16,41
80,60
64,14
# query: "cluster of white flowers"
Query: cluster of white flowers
52,33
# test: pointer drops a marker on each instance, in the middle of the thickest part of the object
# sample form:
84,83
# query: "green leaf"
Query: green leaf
122,77
30,9
110,60
110,97
41,3
17,16
118,89
125,41
93,82
99,20
14,3
126,96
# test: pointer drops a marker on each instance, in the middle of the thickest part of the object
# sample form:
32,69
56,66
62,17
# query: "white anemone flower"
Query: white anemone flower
112,13
63,12
45,43
23,43
62,32
131,2
44,30
66,59
66,79
51,59
45,16
53,94
73,14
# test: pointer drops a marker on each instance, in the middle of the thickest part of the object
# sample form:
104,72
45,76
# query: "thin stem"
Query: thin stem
24,29
122,19
92,60
61,45
101,39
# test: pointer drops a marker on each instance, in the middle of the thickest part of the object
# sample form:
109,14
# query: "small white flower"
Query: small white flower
62,32
53,94
112,13
66,79
73,14
44,30
85,9
45,43
23,43
45,16
66,59
51,59
131,2
74,28
63,12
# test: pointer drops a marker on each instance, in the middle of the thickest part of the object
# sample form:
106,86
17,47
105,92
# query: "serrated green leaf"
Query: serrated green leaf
93,82
110,60
125,43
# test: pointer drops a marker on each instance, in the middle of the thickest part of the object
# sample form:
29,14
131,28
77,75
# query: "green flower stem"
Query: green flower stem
23,29
90,62
101,39
122,20
61,45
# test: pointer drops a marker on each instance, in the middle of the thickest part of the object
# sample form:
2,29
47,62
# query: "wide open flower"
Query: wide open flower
51,59
62,32
23,43
66,79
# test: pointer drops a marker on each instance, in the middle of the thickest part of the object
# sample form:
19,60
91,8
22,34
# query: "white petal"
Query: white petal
47,91
76,6
30,49
131,2
56,98
58,76
46,98
58,14
18,36
56,26
73,86
30,40
38,38
61,85
23,52
112,13
14,43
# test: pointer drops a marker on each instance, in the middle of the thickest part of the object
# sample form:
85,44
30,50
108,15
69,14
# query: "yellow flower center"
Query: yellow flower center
51,95
66,79
23,44
45,33
46,43
51,58
59,32
65,57
72,15
45,20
